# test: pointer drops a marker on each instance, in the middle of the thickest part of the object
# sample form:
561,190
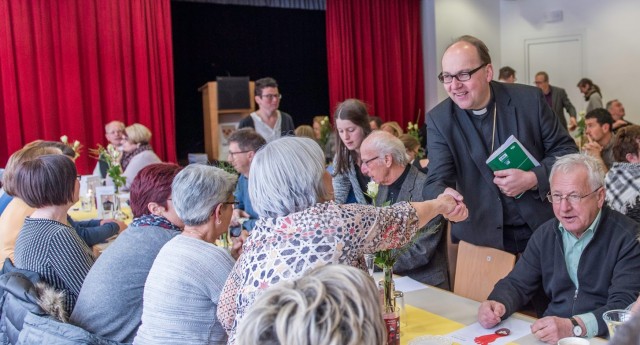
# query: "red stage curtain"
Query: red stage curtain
71,66
375,54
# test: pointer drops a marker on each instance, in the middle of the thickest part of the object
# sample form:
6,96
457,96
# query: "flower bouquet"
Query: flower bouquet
325,131
76,146
111,156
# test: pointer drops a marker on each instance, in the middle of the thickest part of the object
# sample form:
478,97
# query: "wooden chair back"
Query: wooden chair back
478,269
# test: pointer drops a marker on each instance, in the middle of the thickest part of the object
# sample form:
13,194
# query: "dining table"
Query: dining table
433,311
77,213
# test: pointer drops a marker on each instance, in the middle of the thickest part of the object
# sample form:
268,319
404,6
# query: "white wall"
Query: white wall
609,32
611,46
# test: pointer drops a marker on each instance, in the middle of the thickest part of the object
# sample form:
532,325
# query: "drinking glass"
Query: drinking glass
402,311
614,318
369,261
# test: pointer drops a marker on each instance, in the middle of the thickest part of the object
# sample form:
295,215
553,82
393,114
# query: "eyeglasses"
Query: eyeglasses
461,76
237,153
270,97
571,198
369,161
234,203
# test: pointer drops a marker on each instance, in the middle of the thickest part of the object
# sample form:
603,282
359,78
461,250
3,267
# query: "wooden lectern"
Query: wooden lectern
213,117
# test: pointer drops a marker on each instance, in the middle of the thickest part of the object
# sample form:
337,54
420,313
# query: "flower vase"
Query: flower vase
117,207
389,311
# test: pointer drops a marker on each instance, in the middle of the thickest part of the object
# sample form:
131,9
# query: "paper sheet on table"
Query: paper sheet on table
406,284
467,335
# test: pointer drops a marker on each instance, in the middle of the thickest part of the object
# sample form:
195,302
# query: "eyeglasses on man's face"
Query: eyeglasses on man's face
573,199
447,78
271,96
369,161
231,153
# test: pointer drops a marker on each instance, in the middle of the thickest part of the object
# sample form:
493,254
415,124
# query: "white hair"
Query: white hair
198,189
387,144
569,162
286,177
333,304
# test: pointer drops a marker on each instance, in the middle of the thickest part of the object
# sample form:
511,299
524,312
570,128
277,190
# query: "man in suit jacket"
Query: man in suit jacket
505,207
384,159
557,99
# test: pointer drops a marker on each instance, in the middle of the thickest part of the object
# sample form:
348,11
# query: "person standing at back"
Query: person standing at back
557,99
506,206
268,121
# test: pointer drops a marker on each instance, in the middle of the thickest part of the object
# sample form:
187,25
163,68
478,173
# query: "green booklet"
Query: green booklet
512,155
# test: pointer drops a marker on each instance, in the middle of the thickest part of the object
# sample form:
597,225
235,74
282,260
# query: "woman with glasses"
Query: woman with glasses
268,121
183,287
110,302
47,243
137,152
351,126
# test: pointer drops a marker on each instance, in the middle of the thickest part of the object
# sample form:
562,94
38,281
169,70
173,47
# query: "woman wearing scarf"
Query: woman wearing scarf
591,93
622,182
137,152
110,301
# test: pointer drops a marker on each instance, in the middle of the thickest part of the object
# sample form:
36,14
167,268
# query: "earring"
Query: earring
218,222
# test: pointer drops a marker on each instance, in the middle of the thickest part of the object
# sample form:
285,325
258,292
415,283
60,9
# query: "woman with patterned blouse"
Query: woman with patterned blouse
297,231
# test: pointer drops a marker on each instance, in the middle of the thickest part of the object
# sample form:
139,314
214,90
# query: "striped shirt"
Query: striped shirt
56,252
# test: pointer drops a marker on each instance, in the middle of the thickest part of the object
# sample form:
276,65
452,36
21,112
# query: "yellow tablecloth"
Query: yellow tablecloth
420,322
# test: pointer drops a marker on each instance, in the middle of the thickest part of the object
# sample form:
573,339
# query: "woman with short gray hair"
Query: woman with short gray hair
298,230
284,313
182,290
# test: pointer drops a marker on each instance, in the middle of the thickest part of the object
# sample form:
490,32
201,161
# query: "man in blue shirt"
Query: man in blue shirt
243,145
586,260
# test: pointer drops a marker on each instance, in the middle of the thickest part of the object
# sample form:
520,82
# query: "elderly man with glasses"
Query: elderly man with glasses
462,131
268,121
586,260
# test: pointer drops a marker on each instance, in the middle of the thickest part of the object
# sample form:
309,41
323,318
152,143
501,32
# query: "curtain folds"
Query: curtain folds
70,66
374,53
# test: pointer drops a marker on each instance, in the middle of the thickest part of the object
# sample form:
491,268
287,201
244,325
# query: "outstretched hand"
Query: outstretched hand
459,212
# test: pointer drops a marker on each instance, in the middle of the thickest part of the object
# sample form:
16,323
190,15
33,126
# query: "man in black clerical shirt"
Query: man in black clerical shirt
384,159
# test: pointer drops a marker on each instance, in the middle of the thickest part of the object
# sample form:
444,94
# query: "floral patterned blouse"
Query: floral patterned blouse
286,248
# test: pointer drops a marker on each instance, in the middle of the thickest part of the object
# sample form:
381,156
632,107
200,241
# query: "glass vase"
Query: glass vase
390,313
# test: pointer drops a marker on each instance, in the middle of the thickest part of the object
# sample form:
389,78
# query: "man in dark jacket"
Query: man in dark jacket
586,261
557,99
384,160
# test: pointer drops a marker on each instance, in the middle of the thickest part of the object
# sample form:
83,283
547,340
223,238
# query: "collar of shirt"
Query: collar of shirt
574,246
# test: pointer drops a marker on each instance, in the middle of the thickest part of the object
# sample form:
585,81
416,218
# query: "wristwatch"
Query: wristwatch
577,329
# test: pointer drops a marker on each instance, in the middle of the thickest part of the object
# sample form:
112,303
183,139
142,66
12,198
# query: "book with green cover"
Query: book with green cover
512,155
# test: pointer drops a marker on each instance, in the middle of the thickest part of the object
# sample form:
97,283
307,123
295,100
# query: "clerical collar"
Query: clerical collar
479,111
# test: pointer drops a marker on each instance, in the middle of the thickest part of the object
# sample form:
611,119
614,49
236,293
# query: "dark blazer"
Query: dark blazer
457,159
425,259
560,102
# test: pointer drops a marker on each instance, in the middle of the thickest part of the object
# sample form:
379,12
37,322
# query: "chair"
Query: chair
452,256
478,269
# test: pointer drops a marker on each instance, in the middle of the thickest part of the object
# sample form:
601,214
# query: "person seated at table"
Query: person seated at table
392,127
586,260
317,308
304,131
623,180
47,244
183,287
385,161
243,145
412,146
110,301
137,152
300,231
11,221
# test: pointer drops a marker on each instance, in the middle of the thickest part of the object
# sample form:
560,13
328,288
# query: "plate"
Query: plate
431,340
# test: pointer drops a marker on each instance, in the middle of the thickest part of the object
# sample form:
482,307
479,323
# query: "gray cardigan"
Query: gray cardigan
342,183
